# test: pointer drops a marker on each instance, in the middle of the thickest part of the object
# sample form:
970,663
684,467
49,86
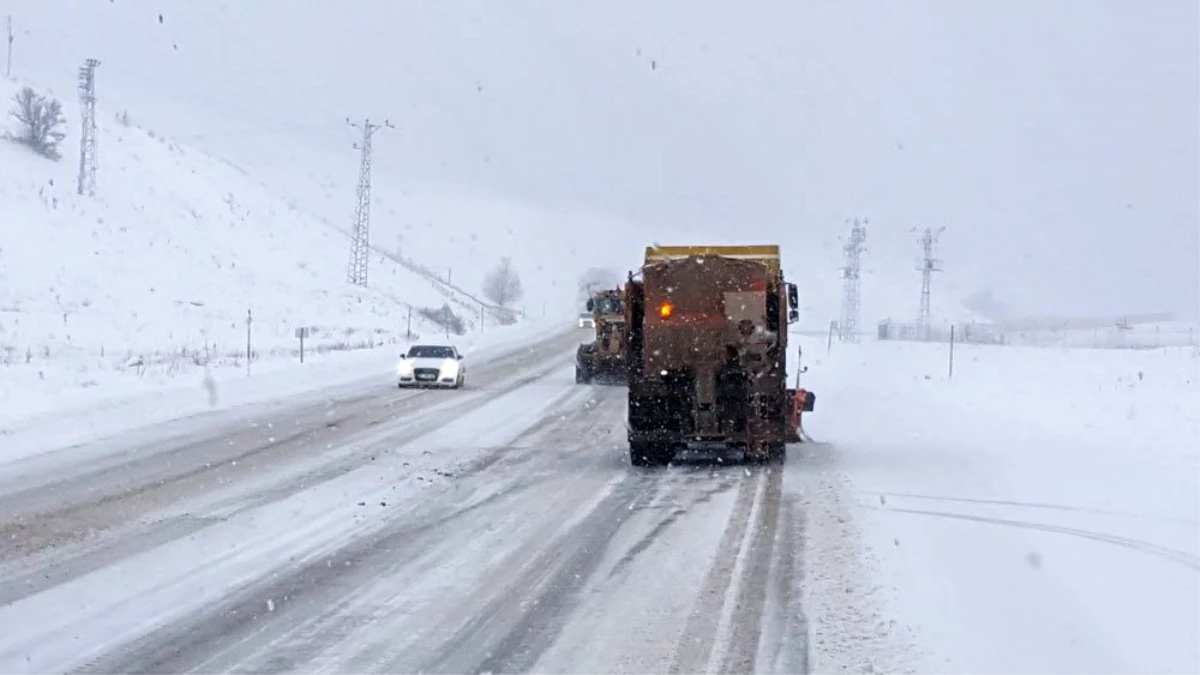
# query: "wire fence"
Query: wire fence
1148,336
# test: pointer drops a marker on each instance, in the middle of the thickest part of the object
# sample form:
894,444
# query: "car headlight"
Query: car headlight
449,369
404,368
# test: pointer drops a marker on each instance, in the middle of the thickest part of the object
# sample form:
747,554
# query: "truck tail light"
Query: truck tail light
665,309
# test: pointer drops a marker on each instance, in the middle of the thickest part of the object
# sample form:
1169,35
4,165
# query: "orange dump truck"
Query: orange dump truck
707,353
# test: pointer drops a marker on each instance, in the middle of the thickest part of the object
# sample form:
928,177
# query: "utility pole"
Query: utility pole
8,63
87,139
851,273
360,244
249,353
929,265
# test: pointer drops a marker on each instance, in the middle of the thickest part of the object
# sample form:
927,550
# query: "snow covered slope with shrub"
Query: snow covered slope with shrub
562,137
156,273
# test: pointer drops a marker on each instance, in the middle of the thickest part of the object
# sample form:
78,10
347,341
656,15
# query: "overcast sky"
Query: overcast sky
1057,142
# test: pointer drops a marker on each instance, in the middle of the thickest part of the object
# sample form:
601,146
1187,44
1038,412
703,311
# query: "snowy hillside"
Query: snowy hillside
158,271
563,141
172,251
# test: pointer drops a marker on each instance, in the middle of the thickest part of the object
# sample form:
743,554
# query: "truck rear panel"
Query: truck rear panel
707,340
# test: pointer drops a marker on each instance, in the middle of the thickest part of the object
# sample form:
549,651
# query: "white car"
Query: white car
586,320
431,366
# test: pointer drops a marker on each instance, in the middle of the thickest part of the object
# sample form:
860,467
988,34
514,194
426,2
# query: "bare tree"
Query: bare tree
41,121
502,285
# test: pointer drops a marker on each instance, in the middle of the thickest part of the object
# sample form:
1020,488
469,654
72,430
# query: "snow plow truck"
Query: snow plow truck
604,357
707,354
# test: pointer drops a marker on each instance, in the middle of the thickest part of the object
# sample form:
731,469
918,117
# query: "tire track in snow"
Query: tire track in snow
748,613
510,632
272,626
1039,505
783,643
85,536
723,631
1173,555
108,467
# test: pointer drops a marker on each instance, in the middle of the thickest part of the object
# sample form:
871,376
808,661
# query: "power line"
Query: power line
929,265
88,161
360,244
851,274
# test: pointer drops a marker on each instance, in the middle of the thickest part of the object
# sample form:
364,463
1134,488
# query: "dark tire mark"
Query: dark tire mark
316,597
645,542
791,655
700,632
303,591
1039,505
1174,555
752,593
113,513
531,615
700,488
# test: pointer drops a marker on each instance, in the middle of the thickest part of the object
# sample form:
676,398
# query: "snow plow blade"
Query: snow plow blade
800,401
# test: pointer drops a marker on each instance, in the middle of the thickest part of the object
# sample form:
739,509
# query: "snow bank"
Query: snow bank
1036,512
103,411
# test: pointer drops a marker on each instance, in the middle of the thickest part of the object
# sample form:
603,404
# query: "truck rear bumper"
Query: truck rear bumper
740,440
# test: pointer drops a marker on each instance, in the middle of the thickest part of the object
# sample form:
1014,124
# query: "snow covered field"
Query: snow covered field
1037,512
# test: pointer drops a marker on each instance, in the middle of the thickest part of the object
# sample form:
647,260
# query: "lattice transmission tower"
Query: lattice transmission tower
360,243
88,162
8,61
929,265
851,274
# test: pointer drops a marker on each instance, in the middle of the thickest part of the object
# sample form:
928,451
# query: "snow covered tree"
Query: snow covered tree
41,121
502,285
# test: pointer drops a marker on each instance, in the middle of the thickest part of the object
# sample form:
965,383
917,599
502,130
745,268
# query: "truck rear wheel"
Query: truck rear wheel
581,376
650,454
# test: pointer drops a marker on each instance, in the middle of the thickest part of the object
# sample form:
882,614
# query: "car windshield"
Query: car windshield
608,305
430,352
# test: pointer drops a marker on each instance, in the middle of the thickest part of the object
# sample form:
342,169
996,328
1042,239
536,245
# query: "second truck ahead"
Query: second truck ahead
604,357
707,353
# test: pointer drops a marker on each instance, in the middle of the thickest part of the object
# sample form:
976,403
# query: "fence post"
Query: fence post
408,330
951,350
829,342
249,320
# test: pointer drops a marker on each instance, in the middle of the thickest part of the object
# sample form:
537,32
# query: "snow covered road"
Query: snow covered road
499,528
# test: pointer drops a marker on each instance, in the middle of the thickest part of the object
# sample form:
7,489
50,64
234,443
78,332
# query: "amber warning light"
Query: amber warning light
665,310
